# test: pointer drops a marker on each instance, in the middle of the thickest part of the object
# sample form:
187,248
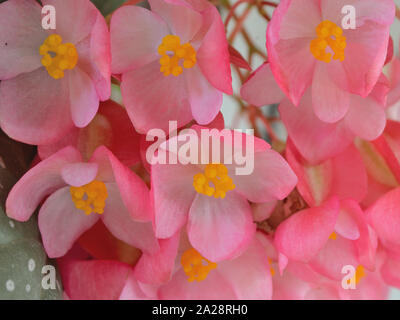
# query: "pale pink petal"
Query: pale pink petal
153,99
133,291
346,226
213,54
292,65
305,233
366,118
300,18
21,35
181,20
219,228
271,179
61,223
261,88
157,268
95,57
173,194
205,100
35,108
83,98
79,174
95,279
336,254
82,13
384,217
118,220
262,211
330,101
248,274
365,55
136,34
378,11
390,272
37,183
315,140
132,189
214,287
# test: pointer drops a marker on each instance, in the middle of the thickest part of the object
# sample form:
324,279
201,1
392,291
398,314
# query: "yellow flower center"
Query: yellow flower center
58,56
196,266
333,236
90,198
217,174
172,52
360,273
328,34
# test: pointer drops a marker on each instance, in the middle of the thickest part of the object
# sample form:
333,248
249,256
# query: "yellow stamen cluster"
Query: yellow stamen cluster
217,174
91,197
328,34
271,269
195,265
58,56
172,52
333,236
360,273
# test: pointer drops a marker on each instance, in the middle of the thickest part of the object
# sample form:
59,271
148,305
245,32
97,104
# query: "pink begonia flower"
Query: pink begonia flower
303,281
178,271
384,217
317,140
343,176
79,194
219,217
100,280
51,80
174,62
309,46
327,188
110,127
382,162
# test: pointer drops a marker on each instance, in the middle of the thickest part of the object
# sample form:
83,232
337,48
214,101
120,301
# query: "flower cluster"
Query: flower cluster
317,216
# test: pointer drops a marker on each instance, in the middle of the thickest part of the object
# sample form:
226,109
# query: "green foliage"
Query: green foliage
108,6
21,254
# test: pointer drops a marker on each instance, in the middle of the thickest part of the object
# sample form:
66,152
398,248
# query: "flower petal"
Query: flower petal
261,88
35,108
79,174
181,20
213,54
220,228
132,25
37,183
205,100
61,223
305,233
82,13
118,220
21,36
153,99
271,179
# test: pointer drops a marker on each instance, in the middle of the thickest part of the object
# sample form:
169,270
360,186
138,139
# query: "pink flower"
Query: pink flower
302,281
309,47
51,81
79,194
384,217
110,127
218,216
315,139
331,190
202,279
174,62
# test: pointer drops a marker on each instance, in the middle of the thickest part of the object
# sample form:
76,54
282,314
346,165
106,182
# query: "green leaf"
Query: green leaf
22,255
108,6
